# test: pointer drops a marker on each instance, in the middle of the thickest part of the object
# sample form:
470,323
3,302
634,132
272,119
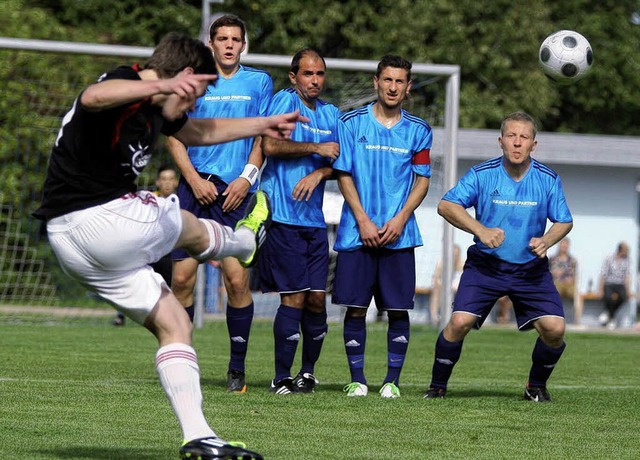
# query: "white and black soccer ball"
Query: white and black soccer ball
565,56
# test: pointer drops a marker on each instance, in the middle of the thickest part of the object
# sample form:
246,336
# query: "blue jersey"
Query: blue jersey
383,163
246,94
521,208
280,176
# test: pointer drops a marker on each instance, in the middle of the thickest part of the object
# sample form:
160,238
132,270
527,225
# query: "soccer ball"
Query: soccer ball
565,56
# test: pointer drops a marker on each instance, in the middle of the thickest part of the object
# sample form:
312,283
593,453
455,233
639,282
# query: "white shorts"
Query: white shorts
108,248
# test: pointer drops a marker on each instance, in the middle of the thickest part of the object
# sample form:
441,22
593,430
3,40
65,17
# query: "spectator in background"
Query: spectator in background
564,269
436,288
615,281
166,184
218,181
295,258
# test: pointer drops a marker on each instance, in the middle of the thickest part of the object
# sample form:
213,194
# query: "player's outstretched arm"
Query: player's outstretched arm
112,93
208,131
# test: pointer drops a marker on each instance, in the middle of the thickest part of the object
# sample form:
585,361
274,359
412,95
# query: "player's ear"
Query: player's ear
409,86
292,78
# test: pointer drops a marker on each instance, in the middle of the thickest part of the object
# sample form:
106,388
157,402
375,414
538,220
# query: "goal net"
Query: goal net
32,107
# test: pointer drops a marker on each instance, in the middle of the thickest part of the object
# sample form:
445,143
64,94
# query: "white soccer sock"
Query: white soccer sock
224,242
177,366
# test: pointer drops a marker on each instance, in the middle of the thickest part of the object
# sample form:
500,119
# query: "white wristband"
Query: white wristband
250,173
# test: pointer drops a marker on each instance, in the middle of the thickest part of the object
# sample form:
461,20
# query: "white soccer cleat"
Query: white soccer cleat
356,389
390,390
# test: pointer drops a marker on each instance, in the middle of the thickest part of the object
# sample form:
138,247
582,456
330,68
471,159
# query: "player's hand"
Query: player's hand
329,150
305,186
204,191
280,126
369,232
391,231
538,246
235,194
491,237
186,84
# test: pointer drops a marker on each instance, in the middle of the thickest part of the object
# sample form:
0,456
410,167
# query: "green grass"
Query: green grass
87,390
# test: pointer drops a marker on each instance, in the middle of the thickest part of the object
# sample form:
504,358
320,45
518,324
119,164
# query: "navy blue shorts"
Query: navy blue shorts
294,259
530,286
388,276
213,211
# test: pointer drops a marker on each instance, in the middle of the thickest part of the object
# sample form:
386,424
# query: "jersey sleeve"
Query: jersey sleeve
267,95
346,140
169,128
558,207
465,192
421,161
282,102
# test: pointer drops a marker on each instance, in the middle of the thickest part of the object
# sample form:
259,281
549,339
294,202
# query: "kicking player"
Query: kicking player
295,259
218,181
105,234
513,196
383,172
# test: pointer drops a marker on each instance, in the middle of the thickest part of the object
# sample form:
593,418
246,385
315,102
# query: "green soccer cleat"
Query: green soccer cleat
213,448
257,218
390,390
355,389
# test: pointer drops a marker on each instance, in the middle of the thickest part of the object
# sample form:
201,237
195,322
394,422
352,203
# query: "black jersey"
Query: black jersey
98,156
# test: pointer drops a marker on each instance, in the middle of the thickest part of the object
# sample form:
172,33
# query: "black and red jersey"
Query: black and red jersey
97,156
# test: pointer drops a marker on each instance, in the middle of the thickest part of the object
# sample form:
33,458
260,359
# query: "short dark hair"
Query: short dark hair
397,62
519,116
176,52
165,167
295,62
228,20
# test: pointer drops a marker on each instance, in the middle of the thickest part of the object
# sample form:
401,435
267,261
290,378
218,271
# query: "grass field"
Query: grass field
87,390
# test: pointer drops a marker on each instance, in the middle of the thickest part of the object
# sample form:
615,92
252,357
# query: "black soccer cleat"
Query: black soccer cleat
284,387
306,382
213,448
536,394
435,393
236,382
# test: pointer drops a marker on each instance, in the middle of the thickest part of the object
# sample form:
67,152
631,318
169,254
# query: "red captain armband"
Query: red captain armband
422,157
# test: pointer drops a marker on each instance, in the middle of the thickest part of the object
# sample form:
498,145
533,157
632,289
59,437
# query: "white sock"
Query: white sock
224,242
177,366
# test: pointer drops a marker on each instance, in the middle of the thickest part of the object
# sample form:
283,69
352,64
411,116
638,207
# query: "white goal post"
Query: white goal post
450,128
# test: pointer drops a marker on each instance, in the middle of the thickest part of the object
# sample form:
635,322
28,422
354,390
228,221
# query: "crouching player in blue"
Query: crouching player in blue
383,172
513,196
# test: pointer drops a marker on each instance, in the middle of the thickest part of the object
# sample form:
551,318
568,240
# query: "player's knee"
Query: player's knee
459,326
356,312
316,303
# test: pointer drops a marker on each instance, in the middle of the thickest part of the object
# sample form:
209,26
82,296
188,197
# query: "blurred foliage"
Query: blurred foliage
495,44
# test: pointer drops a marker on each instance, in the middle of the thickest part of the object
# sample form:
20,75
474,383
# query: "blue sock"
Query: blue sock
446,356
286,335
544,360
397,344
191,311
355,338
239,326
314,330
